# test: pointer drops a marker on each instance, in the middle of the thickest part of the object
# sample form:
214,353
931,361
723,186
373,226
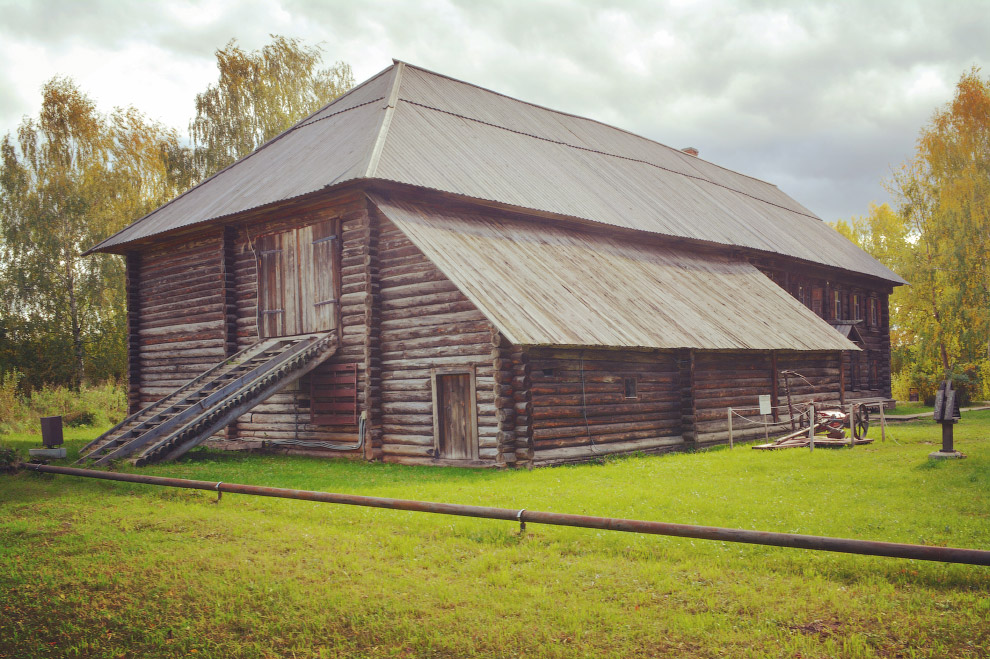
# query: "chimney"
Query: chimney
690,150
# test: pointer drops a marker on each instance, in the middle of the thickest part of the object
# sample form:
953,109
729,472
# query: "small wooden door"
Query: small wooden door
455,420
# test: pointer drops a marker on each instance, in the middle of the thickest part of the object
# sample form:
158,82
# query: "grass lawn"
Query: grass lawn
101,569
920,408
910,408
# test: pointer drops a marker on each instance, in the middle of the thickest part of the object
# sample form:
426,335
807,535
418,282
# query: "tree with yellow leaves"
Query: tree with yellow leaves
939,240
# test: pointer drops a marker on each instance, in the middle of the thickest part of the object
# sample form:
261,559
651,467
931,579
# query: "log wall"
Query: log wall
579,409
193,301
875,357
737,379
285,417
427,323
132,287
180,317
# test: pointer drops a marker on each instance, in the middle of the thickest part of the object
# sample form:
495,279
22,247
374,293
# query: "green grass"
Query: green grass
101,569
910,408
919,408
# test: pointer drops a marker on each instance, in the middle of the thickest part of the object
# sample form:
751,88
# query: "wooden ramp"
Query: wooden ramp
185,418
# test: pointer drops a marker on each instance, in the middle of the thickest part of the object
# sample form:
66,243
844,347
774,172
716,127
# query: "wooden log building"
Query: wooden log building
490,282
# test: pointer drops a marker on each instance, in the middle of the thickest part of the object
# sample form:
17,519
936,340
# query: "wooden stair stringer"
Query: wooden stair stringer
218,416
143,417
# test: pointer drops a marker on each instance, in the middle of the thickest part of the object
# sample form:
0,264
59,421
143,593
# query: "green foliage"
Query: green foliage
70,178
138,570
8,458
73,176
10,401
260,94
89,405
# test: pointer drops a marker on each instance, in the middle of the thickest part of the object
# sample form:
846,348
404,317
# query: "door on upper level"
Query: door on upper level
298,280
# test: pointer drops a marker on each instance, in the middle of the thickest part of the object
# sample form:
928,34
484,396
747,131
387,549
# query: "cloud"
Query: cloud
820,98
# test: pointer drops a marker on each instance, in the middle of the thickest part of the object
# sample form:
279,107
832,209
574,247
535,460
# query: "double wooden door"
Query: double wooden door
298,279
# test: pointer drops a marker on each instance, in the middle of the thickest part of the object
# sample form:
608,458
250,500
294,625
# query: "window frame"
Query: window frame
626,381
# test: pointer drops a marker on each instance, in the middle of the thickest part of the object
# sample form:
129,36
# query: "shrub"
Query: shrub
8,458
101,404
79,418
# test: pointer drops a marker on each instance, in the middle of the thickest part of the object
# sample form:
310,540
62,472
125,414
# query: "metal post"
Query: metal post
730,427
811,427
852,425
883,425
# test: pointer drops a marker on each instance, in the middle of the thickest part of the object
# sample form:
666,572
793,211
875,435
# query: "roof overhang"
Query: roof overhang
548,285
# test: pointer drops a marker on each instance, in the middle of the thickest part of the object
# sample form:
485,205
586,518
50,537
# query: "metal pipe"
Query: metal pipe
819,543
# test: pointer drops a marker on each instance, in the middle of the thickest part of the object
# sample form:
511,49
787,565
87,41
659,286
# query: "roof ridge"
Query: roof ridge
393,97
674,150
615,155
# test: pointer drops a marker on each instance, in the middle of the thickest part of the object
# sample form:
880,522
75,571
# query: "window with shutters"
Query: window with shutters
298,280
854,308
874,316
837,305
816,300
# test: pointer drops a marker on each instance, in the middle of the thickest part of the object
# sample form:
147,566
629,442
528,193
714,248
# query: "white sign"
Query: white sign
765,405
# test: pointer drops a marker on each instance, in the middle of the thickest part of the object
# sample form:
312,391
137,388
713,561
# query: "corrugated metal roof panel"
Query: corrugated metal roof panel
455,137
554,286
330,147
446,152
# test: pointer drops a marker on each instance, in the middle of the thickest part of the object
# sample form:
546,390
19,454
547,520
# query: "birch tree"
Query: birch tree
68,179
258,95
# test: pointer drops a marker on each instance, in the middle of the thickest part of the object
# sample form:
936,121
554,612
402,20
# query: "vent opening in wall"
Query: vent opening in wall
334,395
548,372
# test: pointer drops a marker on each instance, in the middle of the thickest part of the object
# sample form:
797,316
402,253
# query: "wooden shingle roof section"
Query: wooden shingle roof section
555,286
419,128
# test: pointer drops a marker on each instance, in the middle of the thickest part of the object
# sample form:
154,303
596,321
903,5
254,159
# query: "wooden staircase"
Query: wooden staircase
185,418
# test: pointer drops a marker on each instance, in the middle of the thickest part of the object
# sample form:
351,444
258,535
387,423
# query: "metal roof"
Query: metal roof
420,128
545,285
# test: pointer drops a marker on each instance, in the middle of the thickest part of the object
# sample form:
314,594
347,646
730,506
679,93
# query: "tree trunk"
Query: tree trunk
77,346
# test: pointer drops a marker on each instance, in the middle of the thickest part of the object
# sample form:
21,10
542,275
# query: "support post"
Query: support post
730,427
947,446
852,425
883,425
811,427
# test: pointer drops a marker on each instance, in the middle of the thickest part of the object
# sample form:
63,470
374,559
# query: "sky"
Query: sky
823,99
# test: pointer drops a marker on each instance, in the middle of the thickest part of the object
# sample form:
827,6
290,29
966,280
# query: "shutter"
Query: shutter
271,289
324,241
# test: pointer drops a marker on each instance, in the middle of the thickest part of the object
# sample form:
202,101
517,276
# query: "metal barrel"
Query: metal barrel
792,540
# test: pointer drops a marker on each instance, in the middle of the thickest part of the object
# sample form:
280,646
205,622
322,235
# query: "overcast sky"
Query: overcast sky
821,98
